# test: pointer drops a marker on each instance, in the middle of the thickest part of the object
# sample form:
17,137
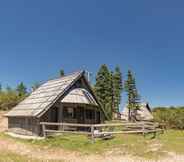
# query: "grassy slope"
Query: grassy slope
171,141
7,156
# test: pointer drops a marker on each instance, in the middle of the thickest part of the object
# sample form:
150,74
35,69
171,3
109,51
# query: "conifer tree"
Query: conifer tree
133,97
103,89
112,94
35,86
21,89
62,73
117,88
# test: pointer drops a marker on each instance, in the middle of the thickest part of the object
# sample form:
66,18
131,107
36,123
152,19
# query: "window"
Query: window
89,114
69,113
29,121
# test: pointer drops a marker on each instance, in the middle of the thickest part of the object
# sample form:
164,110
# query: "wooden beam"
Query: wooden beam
131,125
92,133
118,124
66,124
120,132
43,129
72,132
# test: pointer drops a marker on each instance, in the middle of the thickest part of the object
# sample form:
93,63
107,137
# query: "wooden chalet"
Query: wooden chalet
144,113
68,99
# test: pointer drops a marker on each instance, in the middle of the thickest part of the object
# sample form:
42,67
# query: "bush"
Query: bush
9,99
173,117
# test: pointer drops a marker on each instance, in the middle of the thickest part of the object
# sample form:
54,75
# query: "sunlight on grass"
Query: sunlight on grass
137,145
8,156
124,144
173,141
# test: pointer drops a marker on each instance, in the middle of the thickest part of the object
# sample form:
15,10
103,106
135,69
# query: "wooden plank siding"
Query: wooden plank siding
24,126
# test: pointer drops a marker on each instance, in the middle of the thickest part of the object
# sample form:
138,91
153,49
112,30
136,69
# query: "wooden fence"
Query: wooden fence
99,130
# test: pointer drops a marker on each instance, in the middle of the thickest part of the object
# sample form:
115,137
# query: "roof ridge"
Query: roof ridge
69,74
57,78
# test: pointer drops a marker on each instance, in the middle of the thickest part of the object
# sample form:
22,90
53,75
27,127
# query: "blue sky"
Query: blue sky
39,37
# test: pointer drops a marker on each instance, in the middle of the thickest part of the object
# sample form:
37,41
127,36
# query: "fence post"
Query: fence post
143,129
62,126
92,134
163,127
155,130
43,129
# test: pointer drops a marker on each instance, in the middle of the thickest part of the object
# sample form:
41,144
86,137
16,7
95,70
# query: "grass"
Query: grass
173,141
7,156
123,144
137,145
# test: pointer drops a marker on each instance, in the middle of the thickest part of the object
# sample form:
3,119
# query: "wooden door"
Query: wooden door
54,117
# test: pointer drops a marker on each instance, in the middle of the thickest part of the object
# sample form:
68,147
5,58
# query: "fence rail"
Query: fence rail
99,130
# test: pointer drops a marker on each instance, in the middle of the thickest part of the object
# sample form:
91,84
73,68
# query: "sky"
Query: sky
39,37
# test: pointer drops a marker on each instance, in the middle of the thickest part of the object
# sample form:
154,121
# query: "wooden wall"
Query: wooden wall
23,125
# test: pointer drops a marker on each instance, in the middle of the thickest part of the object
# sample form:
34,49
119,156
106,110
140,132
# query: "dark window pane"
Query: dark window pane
89,114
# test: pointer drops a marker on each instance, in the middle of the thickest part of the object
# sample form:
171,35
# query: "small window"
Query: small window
89,114
29,121
69,113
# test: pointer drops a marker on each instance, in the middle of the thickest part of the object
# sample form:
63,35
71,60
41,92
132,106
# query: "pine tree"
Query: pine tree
21,89
117,88
133,97
0,88
103,89
35,86
112,94
62,73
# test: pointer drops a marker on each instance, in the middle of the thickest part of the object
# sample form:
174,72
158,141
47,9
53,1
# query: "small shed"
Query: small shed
144,113
68,99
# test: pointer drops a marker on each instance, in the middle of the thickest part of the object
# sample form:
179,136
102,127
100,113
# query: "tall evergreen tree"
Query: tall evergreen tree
0,87
21,89
103,89
62,73
112,94
133,97
117,88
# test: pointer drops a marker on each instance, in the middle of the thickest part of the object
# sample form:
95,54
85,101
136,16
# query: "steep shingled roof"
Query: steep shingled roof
45,96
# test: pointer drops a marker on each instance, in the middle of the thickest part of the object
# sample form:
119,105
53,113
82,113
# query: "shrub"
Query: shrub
173,117
9,99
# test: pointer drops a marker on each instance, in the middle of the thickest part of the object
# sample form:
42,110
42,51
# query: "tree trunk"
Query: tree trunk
129,117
